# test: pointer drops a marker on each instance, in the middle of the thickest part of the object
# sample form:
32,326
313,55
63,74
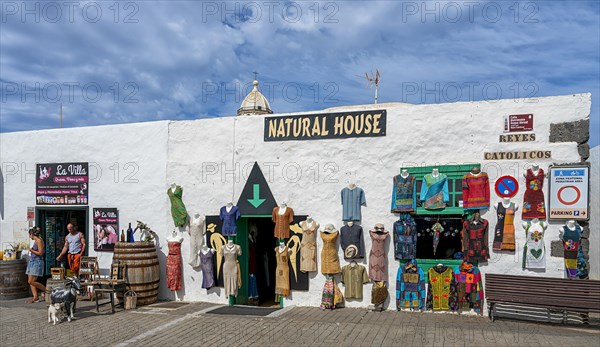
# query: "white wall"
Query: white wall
595,213
140,146
184,151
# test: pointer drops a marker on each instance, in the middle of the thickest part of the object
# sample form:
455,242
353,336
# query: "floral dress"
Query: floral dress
534,251
533,200
178,211
174,266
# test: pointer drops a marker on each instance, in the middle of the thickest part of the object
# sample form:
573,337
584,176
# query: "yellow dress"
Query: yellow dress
330,261
282,272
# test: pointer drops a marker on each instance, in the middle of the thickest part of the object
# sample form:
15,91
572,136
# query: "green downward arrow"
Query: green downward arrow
256,201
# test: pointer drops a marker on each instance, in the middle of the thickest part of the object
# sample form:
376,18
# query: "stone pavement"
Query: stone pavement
189,325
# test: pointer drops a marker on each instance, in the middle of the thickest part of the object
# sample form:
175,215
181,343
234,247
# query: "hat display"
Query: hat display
350,252
379,228
329,228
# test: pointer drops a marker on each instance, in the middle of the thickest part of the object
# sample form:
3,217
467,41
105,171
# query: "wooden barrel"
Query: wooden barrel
13,280
143,271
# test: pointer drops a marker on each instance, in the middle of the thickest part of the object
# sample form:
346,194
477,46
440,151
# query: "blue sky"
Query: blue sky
151,60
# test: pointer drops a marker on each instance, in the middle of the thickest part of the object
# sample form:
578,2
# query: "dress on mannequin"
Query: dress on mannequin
229,216
504,236
282,217
282,272
230,268
475,239
308,246
174,263
404,193
207,263
330,261
377,258
534,251
197,230
533,200
476,190
434,191
178,211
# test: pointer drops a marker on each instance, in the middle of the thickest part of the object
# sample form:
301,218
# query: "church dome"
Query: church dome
254,103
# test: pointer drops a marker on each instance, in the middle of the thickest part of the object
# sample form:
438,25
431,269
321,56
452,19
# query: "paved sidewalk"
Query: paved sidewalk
190,325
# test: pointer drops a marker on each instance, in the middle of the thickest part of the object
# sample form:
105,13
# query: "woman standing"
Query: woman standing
35,268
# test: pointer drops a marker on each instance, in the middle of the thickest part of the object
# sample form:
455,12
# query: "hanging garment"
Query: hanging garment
476,191
229,218
174,266
331,294
533,200
207,267
353,278
404,193
504,236
534,251
469,288
282,272
437,230
434,192
282,222
377,258
352,200
178,211
308,246
379,293
475,240
575,264
197,230
330,261
410,286
352,235
405,237
440,289
230,269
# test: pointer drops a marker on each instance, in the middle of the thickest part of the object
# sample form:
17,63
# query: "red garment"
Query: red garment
174,266
476,191
533,200
475,240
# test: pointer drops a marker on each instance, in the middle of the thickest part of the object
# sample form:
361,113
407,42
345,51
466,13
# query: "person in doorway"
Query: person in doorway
35,267
75,246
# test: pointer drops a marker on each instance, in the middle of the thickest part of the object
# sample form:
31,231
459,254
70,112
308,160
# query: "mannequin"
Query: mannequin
230,252
178,210
229,206
206,265
435,172
506,202
281,247
534,205
434,190
329,228
351,185
173,187
282,216
229,214
535,168
571,224
475,171
309,221
575,263
282,272
504,234
352,234
404,173
196,230
175,237
282,208
308,245
174,272
204,250
353,263
330,261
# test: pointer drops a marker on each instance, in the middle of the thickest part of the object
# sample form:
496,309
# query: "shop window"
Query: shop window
450,241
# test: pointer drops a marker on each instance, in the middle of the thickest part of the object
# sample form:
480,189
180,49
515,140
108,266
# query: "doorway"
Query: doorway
53,225
261,261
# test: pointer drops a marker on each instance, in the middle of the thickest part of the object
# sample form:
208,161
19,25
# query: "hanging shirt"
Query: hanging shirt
469,287
353,278
434,191
404,194
282,222
410,286
352,235
229,219
405,238
476,191
352,200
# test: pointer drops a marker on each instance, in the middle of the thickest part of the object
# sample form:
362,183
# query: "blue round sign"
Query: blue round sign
507,186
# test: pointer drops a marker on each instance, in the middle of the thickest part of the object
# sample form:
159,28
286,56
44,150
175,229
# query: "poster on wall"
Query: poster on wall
106,228
62,184
569,192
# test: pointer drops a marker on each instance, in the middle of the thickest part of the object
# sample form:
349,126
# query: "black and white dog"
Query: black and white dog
67,296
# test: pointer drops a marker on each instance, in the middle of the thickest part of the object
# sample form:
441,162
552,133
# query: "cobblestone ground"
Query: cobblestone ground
190,325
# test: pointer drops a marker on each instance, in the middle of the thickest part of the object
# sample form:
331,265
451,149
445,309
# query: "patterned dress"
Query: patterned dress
404,194
330,261
308,247
575,264
534,251
504,236
405,238
207,267
282,272
475,240
282,222
377,259
174,266
178,211
533,200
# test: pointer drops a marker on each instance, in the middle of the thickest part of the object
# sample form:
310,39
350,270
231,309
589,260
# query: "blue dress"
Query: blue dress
229,219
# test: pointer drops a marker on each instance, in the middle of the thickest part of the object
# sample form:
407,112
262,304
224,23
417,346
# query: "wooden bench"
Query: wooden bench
117,283
566,295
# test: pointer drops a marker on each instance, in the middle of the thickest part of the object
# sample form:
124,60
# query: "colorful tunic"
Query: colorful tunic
434,192
475,240
308,247
469,287
330,261
352,200
231,269
533,200
377,258
174,266
476,191
410,286
441,286
207,267
178,211
332,295
575,264
504,236
353,235
282,272
353,278
282,222
405,238
404,194
534,251
229,219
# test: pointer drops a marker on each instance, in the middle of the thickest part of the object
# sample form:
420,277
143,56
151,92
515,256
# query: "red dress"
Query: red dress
174,266
533,200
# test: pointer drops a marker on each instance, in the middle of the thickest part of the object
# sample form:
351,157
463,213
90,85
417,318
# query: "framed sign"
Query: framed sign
61,184
518,122
106,228
569,192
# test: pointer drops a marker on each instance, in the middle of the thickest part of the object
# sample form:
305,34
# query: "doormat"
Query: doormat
243,311
170,304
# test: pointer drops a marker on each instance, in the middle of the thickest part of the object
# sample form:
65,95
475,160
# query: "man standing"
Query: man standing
75,245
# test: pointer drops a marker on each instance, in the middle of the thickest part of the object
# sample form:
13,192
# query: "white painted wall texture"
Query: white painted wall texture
211,158
595,213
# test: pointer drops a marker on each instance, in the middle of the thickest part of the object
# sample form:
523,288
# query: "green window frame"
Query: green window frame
455,174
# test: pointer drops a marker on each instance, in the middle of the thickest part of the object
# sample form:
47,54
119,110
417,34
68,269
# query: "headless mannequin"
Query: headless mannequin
173,187
352,263
506,203
351,185
282,247
204,250
282,208
175,237
435,172
535,168
571,224
328,229
404,173
228,206
309,221
475,171
476,217
350,223
533,221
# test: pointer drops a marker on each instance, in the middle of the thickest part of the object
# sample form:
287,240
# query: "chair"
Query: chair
117,283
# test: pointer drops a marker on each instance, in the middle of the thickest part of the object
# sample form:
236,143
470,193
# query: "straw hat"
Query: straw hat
350,252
